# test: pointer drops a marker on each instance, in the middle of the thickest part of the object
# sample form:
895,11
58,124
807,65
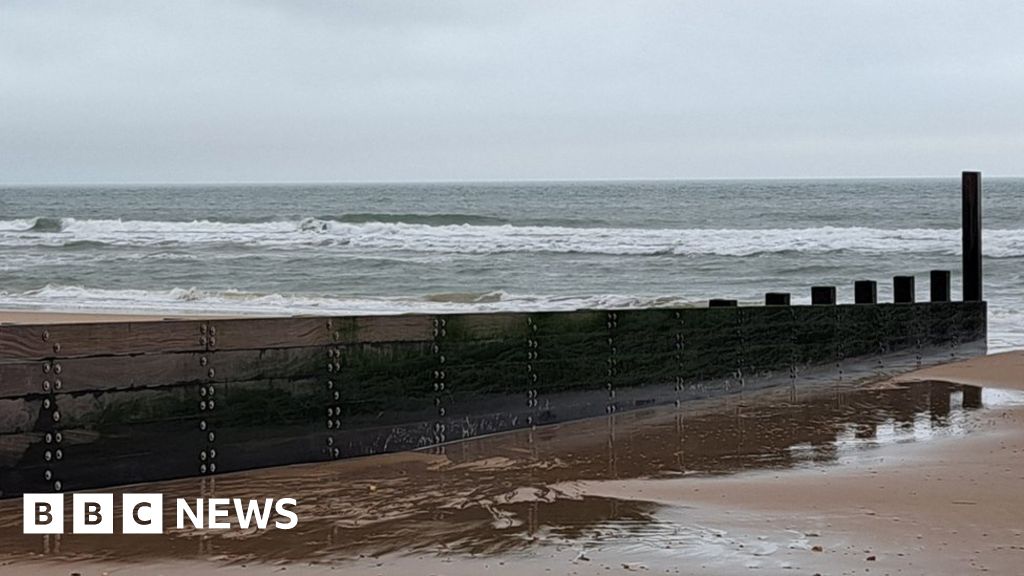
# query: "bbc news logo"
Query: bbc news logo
144,513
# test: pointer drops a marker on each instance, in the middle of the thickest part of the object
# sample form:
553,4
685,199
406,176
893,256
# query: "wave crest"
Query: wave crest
195,300
466,238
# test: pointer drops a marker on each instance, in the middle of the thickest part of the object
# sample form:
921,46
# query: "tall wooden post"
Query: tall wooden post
972,236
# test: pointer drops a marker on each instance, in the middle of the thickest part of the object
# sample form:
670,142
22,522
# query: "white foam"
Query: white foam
489,239
20,225
196,301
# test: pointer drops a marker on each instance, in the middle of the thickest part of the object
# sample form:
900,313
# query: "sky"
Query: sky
442,90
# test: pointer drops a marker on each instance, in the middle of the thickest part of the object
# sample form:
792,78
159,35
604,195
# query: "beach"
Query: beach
538,288
916,475
44,317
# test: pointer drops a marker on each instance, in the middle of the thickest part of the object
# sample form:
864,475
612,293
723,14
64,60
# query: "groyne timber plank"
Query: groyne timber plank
261,333
816,339
856,331
768,339
98,373
972,321
108,373
371,329
100,439
485,327
712,343
37,342
385,382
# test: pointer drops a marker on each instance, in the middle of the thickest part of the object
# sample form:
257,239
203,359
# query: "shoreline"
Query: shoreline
47,317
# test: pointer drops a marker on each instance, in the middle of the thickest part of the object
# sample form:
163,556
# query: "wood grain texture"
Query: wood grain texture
100,373
261,333
373,329
41,341
108,373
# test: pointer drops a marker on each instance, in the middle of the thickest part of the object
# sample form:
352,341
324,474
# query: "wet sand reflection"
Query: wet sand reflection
493,495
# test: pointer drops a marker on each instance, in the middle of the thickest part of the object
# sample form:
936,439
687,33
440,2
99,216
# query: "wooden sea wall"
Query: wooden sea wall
92,405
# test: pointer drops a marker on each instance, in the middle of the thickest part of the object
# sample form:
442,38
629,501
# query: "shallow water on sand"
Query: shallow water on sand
512,492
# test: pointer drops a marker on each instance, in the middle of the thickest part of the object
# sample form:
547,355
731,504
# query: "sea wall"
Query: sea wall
91,405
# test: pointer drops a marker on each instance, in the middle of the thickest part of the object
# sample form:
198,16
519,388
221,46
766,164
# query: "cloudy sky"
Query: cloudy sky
383,90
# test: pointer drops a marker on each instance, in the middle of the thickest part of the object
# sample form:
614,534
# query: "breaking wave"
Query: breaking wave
455,234
198,301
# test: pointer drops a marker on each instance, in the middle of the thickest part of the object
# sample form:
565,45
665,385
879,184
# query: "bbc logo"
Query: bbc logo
93,513
144,513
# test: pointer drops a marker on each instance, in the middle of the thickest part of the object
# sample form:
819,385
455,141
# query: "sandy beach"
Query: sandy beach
917,475
48,317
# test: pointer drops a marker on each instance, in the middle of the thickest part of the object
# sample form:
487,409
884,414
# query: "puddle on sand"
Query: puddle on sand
492,495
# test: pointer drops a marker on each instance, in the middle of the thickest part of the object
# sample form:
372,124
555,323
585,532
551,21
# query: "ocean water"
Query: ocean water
393,248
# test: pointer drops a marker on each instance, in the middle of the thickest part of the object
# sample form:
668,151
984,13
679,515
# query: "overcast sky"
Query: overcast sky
381,90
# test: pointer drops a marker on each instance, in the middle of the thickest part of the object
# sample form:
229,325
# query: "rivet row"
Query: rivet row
207,403
440,376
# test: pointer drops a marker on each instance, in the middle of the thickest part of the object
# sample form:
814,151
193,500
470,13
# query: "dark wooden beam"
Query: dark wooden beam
903,290
972,236
823,295
940,291
865,292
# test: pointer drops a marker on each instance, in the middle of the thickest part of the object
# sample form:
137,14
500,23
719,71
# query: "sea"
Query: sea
282,249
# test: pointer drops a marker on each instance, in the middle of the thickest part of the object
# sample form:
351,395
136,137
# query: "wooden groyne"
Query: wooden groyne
90,405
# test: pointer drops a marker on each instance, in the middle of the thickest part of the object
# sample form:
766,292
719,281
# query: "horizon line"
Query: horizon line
476,181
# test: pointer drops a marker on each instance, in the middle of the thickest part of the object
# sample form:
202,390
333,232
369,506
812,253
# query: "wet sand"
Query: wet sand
950,506
916,476
48,317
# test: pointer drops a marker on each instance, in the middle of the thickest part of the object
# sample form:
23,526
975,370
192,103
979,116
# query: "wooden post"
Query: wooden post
903,290
972,397
940,286
865,292
972,236
776,299
823,295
